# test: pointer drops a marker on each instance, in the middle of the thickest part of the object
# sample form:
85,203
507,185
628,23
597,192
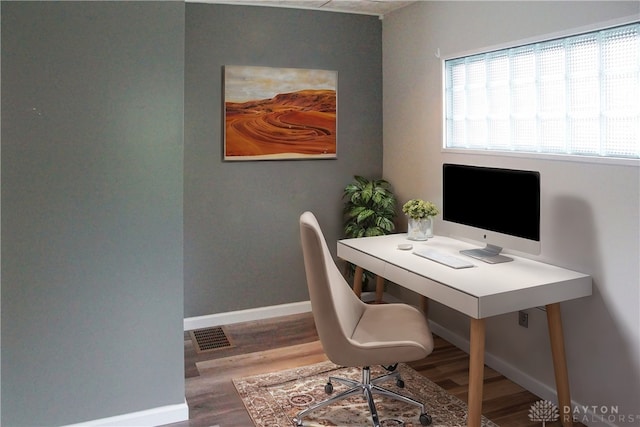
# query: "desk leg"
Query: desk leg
476,372
379,289
559,363
357,281
424,306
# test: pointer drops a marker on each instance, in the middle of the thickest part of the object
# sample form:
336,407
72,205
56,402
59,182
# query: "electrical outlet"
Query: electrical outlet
523,319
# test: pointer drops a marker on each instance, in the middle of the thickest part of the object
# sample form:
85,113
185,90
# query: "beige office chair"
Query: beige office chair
353,333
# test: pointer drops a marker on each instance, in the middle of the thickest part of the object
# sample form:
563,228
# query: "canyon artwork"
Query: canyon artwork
279,113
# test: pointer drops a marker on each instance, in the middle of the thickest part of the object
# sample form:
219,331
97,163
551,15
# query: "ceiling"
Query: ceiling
367,7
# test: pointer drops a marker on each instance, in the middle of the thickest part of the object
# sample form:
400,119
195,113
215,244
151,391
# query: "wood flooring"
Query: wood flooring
292,341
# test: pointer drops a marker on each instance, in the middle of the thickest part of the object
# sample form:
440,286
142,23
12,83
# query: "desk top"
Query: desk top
481,291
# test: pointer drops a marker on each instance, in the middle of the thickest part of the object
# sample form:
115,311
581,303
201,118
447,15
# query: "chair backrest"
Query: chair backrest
336,309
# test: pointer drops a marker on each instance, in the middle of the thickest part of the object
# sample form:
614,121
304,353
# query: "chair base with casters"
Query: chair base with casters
367,387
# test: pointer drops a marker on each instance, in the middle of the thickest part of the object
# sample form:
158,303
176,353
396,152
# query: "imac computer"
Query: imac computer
499,207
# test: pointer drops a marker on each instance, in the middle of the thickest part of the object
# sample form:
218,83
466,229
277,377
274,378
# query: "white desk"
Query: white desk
482,291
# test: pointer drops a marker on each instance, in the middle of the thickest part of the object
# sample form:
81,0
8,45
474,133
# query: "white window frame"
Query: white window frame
631,161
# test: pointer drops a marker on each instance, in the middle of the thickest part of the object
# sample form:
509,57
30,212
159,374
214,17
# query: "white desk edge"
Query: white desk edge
482,291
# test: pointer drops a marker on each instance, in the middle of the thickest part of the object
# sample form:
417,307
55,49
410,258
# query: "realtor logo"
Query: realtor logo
543,411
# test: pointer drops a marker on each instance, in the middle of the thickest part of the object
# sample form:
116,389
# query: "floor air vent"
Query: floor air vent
210,339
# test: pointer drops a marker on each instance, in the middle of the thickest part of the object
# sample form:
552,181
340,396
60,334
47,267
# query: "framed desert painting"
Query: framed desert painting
279,113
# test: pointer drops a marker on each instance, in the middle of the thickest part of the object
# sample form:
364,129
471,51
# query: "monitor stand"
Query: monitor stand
489,254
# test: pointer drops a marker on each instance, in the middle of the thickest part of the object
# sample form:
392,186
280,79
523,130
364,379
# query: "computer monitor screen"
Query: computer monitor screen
500,207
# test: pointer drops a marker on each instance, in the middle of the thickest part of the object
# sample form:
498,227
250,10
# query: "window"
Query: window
578,95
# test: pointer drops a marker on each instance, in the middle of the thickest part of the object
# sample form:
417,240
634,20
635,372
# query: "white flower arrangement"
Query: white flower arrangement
418,208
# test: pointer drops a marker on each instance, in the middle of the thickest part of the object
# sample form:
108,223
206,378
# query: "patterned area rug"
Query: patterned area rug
274,399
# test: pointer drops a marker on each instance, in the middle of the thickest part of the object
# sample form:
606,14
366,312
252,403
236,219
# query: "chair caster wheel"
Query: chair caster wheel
400,383
328,388
297,422
425,419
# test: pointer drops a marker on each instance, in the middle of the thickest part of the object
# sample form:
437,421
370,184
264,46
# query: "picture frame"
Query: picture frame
279,113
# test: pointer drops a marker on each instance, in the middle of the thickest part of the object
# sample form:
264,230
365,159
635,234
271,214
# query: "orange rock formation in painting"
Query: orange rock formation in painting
297,123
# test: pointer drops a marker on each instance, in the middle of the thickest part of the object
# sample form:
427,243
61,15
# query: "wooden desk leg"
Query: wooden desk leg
424,306
556,336
476,372
357,281
379,289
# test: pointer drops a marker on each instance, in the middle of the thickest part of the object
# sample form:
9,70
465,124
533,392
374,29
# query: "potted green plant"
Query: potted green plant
369,210
420,214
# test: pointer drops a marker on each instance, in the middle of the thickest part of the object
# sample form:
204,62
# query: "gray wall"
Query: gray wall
92,141
241,246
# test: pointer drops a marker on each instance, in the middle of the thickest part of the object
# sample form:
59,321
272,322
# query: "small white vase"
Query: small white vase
420,229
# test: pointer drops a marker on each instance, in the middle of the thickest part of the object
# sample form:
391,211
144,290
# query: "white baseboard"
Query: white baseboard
261,313
220,319
148,418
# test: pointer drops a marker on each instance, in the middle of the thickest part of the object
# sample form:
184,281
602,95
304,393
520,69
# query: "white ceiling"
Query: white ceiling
367,7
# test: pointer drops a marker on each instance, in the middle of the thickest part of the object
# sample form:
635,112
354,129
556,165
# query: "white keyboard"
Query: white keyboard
443,258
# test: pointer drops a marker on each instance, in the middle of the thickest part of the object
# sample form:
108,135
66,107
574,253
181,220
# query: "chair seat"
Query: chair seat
391,333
